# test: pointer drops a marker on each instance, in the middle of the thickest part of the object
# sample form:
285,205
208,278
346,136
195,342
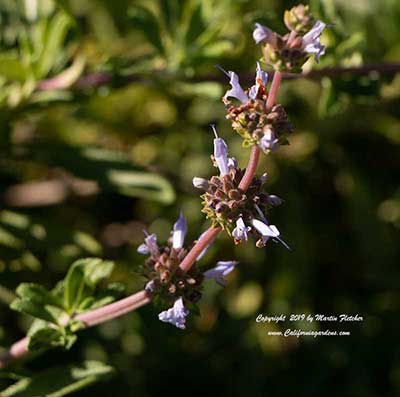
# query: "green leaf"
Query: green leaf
147,22
12,68
53,38
46,337
38,294
96,270
81,280
171,11
112,170
74,287
31,308
60,381
37,302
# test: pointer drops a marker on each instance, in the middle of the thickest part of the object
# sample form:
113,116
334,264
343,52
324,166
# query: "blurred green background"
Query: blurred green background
104,119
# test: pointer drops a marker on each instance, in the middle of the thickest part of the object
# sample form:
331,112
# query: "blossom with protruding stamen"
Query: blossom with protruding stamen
311,41
239,233
261,33
261,81
201,183
236,91
176,315
179,232
220,153
219,272
266,231
149,246
269,141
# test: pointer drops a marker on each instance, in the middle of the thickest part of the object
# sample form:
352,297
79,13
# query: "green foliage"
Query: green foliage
60,381
54,310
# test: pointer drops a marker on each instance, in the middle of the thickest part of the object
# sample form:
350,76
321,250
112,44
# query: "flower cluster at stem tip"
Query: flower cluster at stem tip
288,53
241,212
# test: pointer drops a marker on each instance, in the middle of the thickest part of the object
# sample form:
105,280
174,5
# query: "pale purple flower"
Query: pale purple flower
201,183
261,33
261,80
232,163
274,200
176,315
220,153
269,141
240,231
311,41
266,231
149,246
236,91
149,287
219,272
179,232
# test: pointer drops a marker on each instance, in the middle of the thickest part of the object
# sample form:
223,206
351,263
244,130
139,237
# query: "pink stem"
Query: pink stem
141,298
16,351
115,309
276,81
251,168
201,244
94,317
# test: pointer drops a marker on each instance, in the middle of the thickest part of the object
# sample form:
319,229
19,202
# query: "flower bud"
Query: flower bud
299,19
200,183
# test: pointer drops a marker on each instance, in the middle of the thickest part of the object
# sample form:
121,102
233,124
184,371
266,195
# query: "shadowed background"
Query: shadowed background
92,156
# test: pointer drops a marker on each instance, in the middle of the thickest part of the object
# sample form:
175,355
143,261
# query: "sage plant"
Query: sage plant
234,200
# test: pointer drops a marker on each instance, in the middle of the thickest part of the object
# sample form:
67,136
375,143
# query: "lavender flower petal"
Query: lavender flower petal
176,315
269,141
261,33
274,200
265,230
200,183
261,80
236,91
219,272
149,246
311,41
220,154
179,232
240,231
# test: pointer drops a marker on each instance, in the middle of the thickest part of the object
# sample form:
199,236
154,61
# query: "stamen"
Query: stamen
222,70
214,130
